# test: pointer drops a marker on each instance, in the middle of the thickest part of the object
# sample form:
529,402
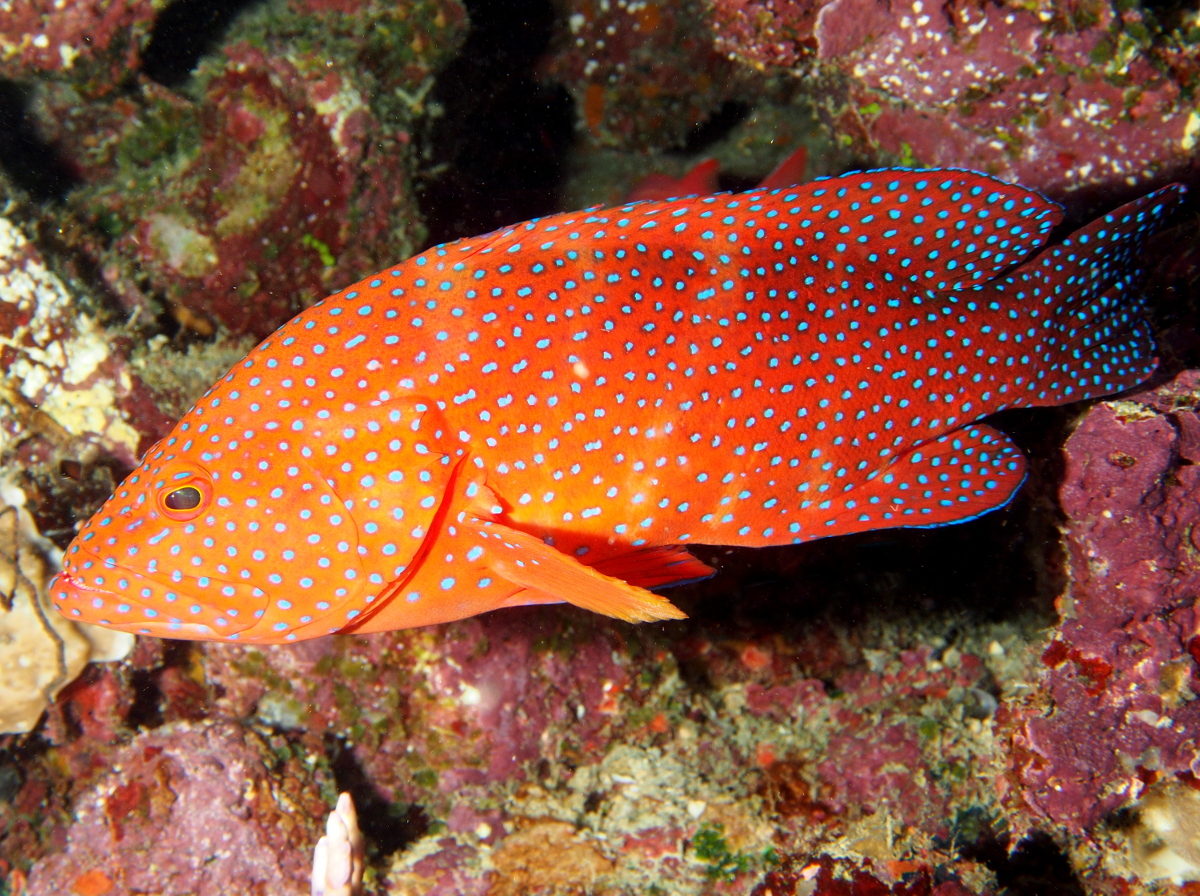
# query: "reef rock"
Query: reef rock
282,173
55,37
40,651
63,381
204,809
642,74
1053,96
1121,679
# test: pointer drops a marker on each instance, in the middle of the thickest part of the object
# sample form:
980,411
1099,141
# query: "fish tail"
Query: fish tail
1084,299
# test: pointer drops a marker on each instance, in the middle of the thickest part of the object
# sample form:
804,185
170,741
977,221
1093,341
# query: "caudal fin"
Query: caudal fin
1083,301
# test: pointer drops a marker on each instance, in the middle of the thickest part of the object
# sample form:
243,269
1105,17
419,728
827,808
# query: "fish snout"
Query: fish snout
191,607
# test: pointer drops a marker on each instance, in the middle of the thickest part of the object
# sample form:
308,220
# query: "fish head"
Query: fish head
241,541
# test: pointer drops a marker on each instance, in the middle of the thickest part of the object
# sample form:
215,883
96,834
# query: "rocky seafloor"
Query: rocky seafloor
1002,707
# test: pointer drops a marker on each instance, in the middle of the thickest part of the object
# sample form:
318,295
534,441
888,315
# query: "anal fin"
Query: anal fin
951,479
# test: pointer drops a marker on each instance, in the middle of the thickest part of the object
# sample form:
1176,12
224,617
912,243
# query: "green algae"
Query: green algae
721,862
264,177
254,665
322,249
391,48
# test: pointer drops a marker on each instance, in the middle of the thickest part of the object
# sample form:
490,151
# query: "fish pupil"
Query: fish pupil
186,498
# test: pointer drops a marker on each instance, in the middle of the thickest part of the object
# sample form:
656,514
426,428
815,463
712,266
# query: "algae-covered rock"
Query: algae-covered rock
62,377
280,170
40,651
189,808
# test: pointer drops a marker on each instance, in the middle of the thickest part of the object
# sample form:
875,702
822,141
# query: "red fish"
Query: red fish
553,411
701,179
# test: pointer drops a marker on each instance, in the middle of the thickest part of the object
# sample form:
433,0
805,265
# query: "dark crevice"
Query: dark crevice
33,164
388,826
11,780
716,127
183,33
146,711
166,693
1037,866
495,154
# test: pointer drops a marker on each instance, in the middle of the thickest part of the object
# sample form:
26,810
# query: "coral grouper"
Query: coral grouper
553,411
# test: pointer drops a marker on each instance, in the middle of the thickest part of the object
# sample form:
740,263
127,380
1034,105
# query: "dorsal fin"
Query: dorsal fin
700,180
788,172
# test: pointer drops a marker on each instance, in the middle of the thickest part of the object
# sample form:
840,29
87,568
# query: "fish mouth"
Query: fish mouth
131,601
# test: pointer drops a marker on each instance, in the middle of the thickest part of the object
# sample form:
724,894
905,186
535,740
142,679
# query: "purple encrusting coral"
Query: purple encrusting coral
203,809
1056,97
1122,668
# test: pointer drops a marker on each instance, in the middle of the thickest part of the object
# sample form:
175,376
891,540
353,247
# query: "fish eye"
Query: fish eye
184,494
186,498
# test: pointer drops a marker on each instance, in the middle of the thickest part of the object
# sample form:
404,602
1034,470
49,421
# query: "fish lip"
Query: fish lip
65,579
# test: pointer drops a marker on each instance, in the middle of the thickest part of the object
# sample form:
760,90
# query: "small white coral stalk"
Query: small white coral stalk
338,857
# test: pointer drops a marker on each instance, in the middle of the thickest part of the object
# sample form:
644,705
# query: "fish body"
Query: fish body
555,410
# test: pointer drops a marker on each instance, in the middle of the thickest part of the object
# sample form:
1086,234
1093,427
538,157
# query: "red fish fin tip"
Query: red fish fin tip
789,172
527,561
701,180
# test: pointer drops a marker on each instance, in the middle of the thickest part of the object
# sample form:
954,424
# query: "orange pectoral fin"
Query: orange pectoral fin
527,561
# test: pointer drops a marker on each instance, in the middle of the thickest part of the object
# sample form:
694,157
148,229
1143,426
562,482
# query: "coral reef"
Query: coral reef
795,737
1120,686
547,748
44,36
191,808
643,73
1057,97
64,380
40,651
282,174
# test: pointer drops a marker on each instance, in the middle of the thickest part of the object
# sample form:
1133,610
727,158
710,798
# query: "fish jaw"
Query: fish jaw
194,608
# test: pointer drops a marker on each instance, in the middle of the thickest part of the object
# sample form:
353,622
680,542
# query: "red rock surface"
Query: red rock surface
464,705
188,809
1058,98
1121,675
642,73
281,174
52,36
